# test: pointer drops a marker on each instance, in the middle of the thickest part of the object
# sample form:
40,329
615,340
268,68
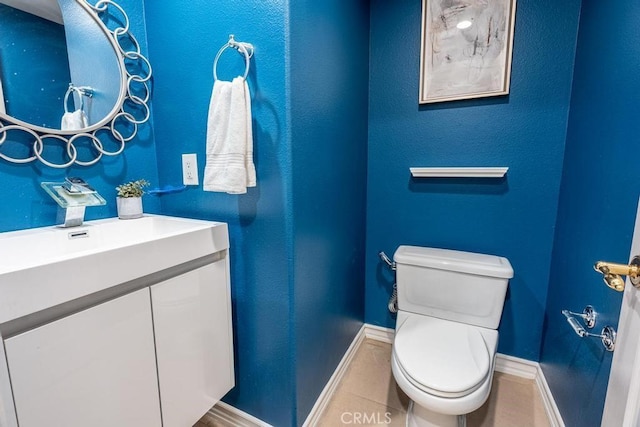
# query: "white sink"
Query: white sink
44,267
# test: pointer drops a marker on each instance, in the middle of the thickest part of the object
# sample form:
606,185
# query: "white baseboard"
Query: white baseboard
378,333
334,381
555,419
517,367
227,415
531,370
506,364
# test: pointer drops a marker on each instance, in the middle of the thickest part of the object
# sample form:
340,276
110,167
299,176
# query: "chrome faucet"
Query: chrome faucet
73,196
70,217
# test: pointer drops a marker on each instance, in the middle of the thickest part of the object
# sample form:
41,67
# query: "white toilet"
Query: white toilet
449,307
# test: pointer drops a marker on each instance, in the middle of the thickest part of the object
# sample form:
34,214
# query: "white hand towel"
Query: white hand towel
75,120
229,166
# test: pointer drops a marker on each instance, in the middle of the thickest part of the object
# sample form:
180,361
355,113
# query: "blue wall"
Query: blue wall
297,238
26,205
598,200
183,43
513,217
329,94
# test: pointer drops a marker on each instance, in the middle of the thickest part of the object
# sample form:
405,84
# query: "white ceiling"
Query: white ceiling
47,9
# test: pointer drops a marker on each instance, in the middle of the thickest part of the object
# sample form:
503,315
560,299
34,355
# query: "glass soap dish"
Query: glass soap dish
67,200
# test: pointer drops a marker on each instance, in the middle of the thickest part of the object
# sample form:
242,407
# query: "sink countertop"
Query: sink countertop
44,267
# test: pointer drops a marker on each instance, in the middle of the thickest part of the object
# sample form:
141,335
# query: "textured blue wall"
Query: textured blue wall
26,205
598,200
297,238
329,93
296,256
525,131
183,43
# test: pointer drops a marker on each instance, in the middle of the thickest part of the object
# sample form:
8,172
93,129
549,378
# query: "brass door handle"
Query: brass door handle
612,273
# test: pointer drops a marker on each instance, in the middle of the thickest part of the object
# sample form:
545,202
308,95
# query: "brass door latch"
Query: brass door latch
612,273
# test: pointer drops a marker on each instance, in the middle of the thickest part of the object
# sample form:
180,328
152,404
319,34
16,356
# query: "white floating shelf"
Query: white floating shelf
482,172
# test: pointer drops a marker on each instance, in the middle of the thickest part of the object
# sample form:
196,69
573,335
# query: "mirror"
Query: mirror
70,71
23,38
44,47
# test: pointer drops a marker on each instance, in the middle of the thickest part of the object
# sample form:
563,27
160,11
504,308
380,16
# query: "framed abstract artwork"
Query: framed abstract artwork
466,49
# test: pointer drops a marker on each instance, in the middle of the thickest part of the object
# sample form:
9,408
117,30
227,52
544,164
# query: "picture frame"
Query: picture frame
466,49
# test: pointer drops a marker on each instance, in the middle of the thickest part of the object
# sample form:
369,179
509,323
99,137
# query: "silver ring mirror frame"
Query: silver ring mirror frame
127,79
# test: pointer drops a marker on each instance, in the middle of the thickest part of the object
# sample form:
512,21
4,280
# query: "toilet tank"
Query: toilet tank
453,285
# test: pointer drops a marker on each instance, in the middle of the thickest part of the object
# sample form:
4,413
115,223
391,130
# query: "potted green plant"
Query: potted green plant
129,200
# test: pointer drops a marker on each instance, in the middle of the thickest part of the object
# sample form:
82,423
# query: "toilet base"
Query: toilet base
418,416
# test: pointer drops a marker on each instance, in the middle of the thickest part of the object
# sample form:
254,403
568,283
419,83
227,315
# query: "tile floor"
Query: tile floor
207,422
368,388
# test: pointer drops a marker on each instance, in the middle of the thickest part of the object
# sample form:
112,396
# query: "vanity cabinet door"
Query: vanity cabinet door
93,368
192,320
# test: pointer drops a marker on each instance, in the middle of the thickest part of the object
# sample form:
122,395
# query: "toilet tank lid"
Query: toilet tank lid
460,261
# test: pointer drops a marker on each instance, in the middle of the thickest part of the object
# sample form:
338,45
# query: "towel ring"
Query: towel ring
244,48
66,97
82,92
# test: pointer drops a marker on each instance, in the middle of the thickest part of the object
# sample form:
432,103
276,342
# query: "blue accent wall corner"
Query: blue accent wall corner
513,217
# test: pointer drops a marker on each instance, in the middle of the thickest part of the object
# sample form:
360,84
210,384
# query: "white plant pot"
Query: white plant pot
129,207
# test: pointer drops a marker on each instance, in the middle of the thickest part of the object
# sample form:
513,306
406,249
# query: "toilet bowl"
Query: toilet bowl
444,349
443,366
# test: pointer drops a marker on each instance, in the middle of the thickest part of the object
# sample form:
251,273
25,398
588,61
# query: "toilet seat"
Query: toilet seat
441,357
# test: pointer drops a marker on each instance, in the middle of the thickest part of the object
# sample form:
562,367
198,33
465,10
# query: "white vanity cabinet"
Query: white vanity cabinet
115,324
192,319
93,368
